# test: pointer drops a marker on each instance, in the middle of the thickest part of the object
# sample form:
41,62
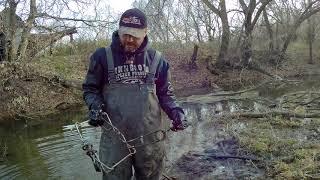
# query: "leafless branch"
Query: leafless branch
85,21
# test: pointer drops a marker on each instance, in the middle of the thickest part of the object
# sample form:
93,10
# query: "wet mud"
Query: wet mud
225,160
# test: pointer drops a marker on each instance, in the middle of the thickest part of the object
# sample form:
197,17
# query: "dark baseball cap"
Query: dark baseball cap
133,22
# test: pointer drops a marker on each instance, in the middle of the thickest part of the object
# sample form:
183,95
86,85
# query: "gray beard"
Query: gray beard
127,50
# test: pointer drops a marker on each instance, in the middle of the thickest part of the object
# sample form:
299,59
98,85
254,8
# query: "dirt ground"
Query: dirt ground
189,81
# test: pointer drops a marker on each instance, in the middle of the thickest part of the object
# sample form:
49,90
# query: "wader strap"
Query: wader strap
110,64
146,59
153,68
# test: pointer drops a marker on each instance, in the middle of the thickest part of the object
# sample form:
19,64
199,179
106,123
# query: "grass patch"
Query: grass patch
287,147
80,47
68,61
68,67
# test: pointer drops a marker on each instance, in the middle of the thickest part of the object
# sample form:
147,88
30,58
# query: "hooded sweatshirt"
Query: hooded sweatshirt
129,68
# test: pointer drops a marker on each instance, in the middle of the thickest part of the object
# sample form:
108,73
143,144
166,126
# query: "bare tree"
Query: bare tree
312,8
11,29
269,30
161,20
21,53
310,36
250,20
197,24
222,13
193,10
45,18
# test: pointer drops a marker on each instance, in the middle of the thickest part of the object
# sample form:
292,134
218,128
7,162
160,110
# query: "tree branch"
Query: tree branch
261,8
287,114
212,7
26,31
243,5
86,21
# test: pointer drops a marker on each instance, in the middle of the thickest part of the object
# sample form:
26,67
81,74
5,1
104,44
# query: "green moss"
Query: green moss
279,121
265,145
259,146
301,167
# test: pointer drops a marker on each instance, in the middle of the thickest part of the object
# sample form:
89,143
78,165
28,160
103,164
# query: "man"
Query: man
130,82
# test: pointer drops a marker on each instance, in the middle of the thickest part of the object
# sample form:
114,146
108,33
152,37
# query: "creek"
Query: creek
48,149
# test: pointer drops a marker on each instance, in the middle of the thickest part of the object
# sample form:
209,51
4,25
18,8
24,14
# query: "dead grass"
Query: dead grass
289,149
24,91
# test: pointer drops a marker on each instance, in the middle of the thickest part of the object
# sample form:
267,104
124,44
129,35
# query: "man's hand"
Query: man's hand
95,113
179,121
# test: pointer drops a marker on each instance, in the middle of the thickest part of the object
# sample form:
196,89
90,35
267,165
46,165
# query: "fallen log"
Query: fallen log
287,114
76,84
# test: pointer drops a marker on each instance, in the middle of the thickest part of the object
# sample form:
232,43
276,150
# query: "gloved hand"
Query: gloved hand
179,121
95,118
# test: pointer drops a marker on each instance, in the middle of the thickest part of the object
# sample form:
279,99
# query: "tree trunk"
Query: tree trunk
186,27
196,26
269,29
193,64
249,23
21,54
310,36
168,25
287,41
225,37
2,46
308,12
210,33
277,42
246,48
209,29
224,46
11,31
310,53
310,41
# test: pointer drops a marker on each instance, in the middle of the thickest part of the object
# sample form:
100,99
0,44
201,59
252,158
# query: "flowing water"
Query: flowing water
48,149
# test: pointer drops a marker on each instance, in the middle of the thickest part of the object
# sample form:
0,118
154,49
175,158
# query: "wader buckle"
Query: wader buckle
159,135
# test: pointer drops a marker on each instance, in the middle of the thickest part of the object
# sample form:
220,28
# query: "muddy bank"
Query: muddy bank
223,159
26,93
267,145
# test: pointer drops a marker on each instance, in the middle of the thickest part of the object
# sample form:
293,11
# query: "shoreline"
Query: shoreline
28,93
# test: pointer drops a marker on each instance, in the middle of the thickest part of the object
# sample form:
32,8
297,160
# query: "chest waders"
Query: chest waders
135,111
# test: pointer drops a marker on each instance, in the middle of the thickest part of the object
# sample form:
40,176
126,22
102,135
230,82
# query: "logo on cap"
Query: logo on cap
131,20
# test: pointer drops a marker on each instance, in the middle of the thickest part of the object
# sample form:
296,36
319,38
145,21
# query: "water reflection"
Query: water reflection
200,136
277,89
45,151
49,150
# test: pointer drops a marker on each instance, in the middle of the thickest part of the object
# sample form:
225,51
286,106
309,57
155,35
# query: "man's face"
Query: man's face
130,43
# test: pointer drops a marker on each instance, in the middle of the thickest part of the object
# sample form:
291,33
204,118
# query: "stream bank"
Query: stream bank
36,89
